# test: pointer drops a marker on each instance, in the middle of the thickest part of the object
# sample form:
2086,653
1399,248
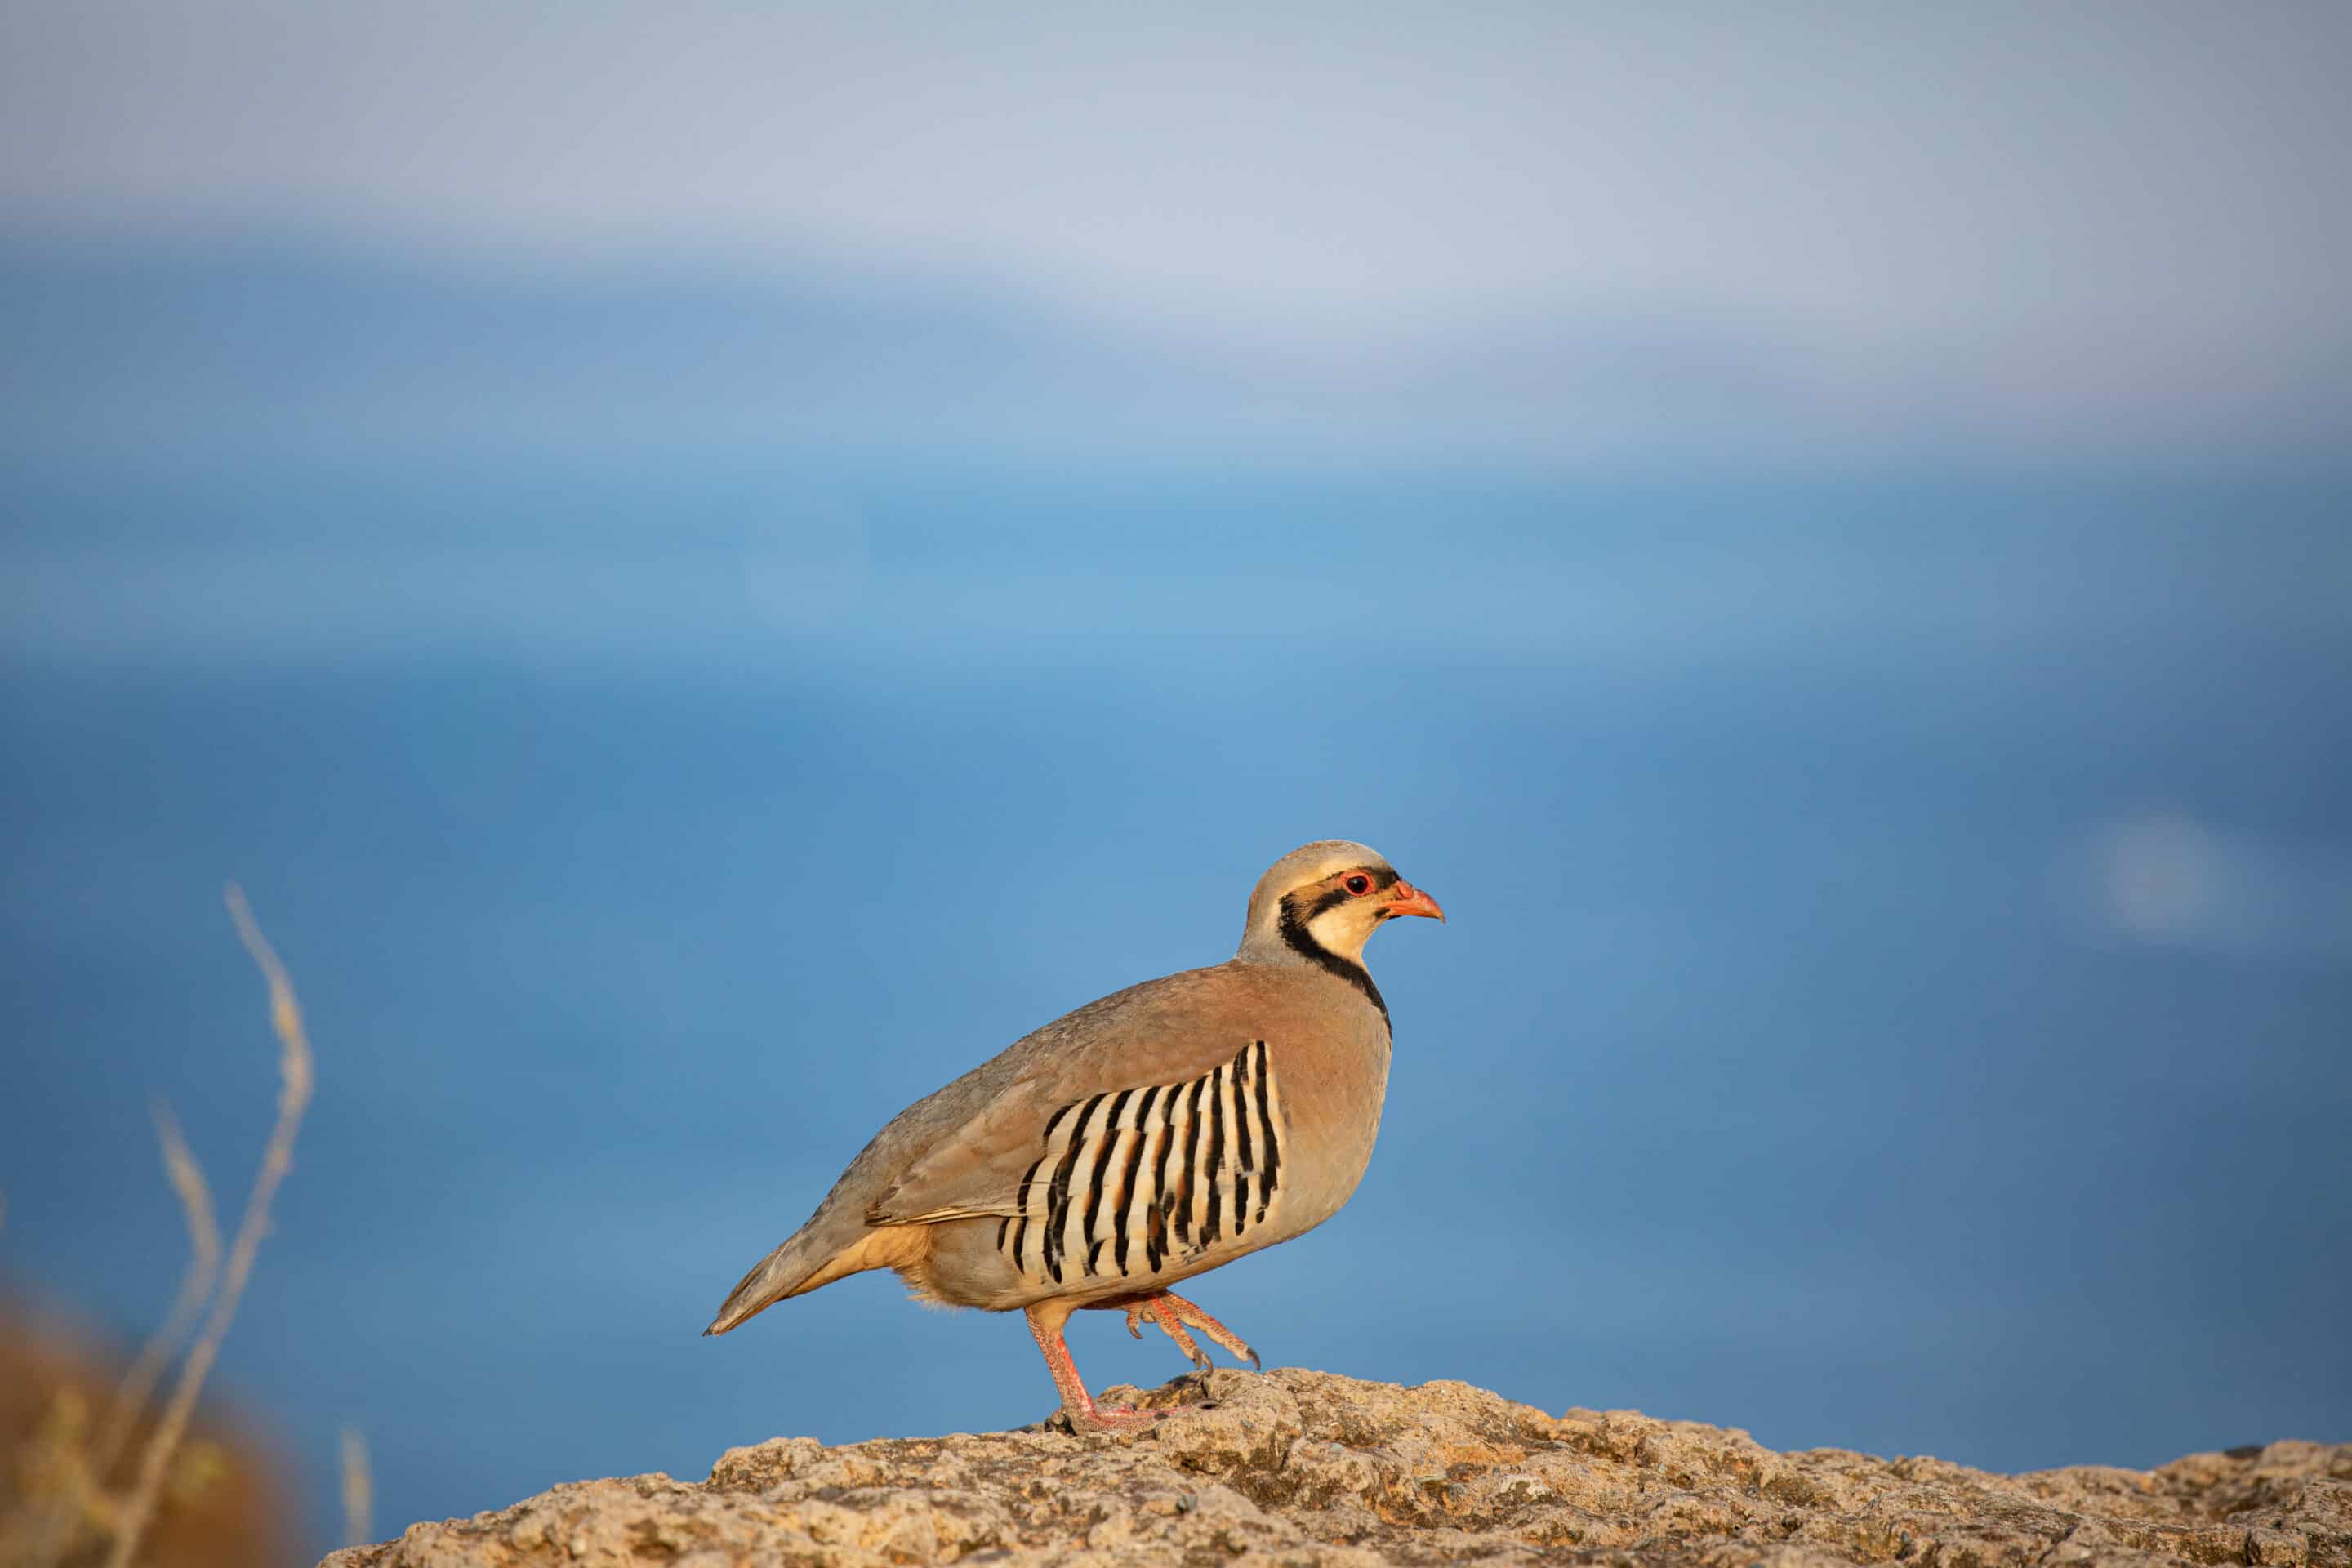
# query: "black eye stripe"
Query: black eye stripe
1331,901
1343,891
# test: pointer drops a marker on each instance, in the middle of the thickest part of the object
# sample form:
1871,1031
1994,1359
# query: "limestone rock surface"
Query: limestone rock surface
1305,1467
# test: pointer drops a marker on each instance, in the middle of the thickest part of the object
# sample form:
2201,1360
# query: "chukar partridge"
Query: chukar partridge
1157,1134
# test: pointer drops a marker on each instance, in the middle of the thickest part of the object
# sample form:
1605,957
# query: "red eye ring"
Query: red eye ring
1357,884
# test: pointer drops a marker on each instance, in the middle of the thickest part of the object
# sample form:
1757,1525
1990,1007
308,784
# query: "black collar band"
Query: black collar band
1302,941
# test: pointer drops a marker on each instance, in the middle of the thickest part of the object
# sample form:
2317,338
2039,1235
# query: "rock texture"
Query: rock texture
1307,1469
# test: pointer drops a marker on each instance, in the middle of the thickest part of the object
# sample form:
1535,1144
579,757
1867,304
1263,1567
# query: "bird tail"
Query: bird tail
784,1272
810,1260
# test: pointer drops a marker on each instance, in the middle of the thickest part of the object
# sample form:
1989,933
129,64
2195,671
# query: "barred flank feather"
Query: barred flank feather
1142,1179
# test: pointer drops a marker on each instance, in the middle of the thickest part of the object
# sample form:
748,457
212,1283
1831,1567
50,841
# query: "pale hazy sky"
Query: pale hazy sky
2108,216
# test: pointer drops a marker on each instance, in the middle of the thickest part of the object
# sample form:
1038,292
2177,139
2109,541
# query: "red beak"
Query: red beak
1408,899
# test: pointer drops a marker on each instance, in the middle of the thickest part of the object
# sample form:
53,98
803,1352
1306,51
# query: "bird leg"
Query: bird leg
1046,1321
1174,1314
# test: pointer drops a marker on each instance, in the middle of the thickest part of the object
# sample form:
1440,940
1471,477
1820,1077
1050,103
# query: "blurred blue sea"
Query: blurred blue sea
1896,994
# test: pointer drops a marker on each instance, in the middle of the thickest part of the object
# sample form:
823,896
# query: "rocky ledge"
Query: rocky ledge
1303,1468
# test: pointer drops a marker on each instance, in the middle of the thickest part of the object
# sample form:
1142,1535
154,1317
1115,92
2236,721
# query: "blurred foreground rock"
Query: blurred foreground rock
1305,1467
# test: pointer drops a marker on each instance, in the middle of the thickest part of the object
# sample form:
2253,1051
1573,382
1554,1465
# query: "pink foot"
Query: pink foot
1110,1418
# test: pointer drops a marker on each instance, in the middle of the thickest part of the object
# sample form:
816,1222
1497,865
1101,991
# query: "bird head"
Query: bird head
1331,895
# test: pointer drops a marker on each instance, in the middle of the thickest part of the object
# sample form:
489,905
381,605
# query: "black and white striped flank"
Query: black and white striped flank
1131,1181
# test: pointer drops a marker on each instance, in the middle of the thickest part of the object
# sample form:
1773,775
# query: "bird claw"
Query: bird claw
1169,1322
1174,1315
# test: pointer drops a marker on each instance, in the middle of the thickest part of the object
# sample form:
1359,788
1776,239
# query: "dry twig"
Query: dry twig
74,1500
277,1158
359,1490
187,1179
